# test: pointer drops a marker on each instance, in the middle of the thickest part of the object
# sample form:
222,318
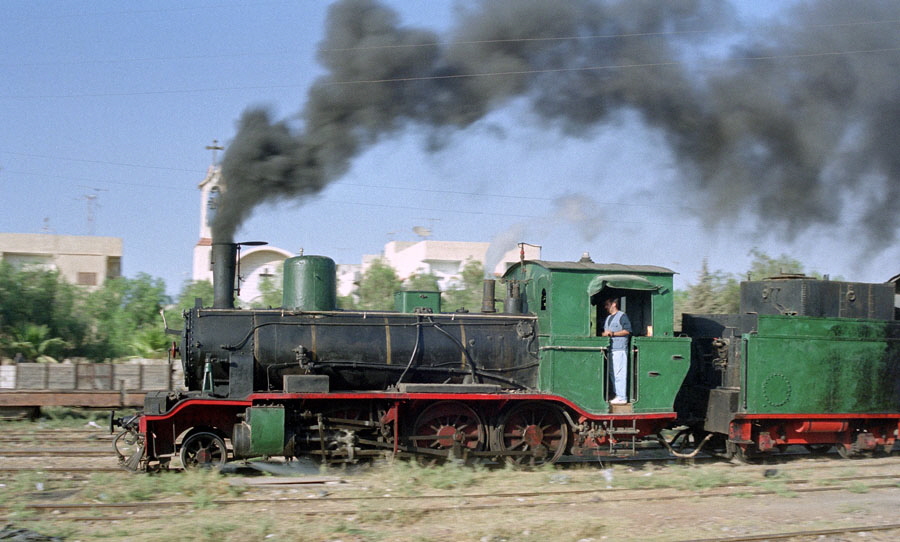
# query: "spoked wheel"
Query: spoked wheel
448,429
203,450
533,433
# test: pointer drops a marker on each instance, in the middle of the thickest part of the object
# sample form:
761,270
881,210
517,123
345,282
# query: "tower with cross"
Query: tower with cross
256,263
210,188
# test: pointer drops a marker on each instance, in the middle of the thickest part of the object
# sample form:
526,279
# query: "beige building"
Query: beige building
83,260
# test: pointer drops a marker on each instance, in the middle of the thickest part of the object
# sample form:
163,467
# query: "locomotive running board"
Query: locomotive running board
447,388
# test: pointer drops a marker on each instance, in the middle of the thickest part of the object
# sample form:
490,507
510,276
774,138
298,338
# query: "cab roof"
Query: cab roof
597,267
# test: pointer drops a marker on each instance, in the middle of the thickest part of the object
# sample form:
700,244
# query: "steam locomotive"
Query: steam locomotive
811,362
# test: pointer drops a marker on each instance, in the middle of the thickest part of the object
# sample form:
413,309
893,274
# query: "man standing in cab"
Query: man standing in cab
618,327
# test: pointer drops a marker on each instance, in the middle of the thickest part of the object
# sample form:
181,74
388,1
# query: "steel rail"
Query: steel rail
55,453
816,533
55,469
306,501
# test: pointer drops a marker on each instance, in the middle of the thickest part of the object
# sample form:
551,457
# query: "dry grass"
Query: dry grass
451,514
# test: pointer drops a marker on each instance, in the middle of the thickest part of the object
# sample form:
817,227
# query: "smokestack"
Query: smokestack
513,303
224,256
487,296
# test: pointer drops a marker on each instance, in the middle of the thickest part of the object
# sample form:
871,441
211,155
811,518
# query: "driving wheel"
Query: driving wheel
533,433
448,429
203,450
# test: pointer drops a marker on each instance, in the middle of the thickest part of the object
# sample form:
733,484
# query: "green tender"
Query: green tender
821,365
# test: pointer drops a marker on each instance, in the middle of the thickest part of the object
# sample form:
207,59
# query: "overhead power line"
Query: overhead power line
104,181
104,162
452,76
294,52
373,186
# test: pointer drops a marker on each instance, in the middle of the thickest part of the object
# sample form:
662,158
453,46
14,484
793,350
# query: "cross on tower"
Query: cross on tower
215,147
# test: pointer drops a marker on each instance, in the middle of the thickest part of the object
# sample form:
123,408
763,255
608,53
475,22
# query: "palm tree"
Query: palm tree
32,341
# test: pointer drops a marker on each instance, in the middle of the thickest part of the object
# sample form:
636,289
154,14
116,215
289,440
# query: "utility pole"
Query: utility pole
92,206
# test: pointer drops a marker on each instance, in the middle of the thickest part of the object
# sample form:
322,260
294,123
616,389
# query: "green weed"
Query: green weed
447,476
858,487
347,528
776,486
213,530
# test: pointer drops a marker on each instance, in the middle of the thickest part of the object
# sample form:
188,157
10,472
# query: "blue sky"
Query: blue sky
107,107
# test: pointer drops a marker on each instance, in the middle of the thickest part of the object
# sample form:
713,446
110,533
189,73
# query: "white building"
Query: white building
254,263
80,259
444,259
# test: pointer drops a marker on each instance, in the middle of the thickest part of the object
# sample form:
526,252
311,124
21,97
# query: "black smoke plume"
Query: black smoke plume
796,122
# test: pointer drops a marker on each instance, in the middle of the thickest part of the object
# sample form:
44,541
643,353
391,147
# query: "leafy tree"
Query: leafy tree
40,297
713,293
149,342
347,302
377,287
192,290
427,282
43,317
764,266
35,343
271,291
123,309
468,295
716,292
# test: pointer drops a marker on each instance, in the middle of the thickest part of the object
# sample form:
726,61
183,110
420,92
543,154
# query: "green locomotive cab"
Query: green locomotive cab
568,300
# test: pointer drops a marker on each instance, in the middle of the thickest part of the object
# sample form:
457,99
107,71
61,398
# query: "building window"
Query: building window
86,279
113,267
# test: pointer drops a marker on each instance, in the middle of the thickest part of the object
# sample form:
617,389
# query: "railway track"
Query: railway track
43,452
66,473
323,504
64,448
817,534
